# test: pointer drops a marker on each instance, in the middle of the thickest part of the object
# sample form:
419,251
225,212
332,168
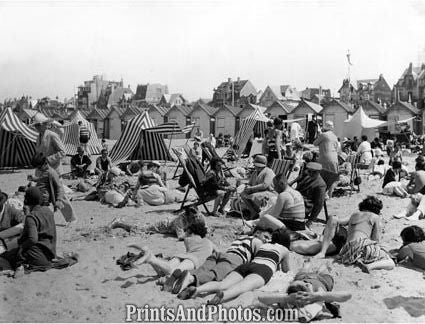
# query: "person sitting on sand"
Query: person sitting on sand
417,182
198,249
217,266
217,185
415,210
413,249
379,170
311,291
80,163
103,163
354,238
393,183
313,189
252,275
151,189
259,188
37,244
288,210
11,223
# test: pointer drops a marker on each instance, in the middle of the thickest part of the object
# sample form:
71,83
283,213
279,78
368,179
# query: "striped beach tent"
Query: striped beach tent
255,122
137,143
17,141
71,136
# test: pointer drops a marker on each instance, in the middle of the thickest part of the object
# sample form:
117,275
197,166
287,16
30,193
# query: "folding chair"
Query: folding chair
282,166
353,159
330,178
202,198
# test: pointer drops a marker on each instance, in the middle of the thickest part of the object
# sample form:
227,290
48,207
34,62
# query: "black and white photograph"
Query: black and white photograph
247,161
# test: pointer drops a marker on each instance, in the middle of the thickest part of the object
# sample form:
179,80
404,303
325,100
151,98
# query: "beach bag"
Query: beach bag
357,179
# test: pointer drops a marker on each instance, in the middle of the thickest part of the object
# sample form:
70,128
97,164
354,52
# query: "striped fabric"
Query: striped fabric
243,248
247,128
188,129
281,166
169,128
270,255
17,141
134,143
71,136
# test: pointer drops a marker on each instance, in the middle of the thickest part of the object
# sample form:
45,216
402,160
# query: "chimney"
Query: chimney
239,79
380,76
229,80
410,68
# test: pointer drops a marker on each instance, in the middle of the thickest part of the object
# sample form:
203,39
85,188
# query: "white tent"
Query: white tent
360,124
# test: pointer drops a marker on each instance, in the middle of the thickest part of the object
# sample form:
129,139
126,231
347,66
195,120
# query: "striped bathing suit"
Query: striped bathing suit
270,255
243,248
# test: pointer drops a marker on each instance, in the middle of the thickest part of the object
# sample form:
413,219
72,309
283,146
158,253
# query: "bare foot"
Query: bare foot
363,267
319,256
217,299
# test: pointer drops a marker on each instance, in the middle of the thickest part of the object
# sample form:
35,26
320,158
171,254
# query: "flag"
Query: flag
188,128
348,58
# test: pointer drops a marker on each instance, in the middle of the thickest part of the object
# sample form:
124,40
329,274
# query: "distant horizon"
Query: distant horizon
50,48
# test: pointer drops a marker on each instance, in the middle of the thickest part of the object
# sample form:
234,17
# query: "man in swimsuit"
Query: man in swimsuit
103,163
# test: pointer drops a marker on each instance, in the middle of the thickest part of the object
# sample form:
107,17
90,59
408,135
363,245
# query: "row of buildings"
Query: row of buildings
109,104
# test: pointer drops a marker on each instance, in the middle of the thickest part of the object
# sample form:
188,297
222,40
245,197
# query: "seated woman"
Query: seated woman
393,183
417,182
415,210
310,292
379,170
151,189
198,249
37,244
413,249
217,185
360,243
196,151
252,275
288,211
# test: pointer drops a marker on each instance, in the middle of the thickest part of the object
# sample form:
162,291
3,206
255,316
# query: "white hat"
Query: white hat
39,119
329,124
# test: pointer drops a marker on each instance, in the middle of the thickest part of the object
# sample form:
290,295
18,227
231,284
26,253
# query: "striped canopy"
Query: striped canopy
17,141
137,143
255,122
71,136
170,128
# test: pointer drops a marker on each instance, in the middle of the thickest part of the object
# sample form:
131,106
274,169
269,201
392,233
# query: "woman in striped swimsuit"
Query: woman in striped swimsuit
257,273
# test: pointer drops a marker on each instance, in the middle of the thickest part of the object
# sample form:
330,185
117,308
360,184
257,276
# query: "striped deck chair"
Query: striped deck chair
282,166
354,160
202,198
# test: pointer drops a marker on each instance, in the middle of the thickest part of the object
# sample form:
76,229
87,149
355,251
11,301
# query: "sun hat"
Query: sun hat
40,119
260,161
314,166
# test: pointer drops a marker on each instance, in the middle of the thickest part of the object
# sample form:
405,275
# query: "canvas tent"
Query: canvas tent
360,124
257,122
17,141
136,142
71,136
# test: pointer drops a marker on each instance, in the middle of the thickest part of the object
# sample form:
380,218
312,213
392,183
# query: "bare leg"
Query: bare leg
217,201
304,247
249,283
224,201
328,235
164,267
231,279
267,222
186,265
385,264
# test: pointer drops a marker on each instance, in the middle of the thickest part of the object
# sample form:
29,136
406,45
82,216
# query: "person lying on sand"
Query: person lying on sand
413,249
361,246
252,275
310,292
198,249
394,180
218,265
415,210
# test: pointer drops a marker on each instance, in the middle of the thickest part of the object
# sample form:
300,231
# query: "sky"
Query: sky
49,48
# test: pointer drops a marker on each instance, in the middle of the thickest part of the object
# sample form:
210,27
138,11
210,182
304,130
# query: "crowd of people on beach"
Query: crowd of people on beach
277,213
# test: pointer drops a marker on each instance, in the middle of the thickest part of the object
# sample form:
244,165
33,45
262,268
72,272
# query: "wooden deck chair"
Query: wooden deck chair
353,159
330,178
202,198
282,166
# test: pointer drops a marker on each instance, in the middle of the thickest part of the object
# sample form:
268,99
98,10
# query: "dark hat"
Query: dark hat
260,161
314,166
3,197
33,196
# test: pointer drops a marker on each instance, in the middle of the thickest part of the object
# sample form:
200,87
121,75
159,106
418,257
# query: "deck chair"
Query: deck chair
282,166
202,197
353,159
330,178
